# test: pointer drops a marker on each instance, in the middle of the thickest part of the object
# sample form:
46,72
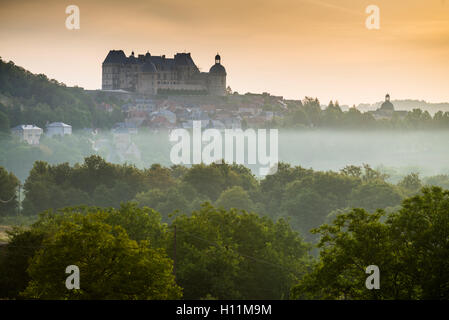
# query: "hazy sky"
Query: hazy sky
294,48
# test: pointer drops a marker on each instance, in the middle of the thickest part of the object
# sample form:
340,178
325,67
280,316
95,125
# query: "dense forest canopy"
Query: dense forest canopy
223,252
305,197
27,98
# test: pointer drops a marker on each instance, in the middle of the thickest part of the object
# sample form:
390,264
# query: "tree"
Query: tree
180,199
420,232
235,197
272,187
375,195
38,99
4,123
307,201
352,171
410,247
139,223
159,177
411,183
354,241
95,181
225,253
441,180
211,180
22,246
112,266
8,189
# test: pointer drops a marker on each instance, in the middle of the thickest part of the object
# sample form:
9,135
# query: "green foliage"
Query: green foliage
374,195
119,252
309,114
35,99
410,247
411,183
225,254
169,201
93,182
211,180
235,197
303,196
8,193
121,255
22,246
112,266
441,180
139,223
4,122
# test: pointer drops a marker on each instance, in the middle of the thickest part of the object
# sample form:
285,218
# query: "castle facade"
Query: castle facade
150,75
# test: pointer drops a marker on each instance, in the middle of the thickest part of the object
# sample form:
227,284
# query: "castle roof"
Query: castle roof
387,105
162,63
184,59
218,69
151,63
115,56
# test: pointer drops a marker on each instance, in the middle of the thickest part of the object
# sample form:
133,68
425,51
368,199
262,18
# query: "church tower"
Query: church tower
217,78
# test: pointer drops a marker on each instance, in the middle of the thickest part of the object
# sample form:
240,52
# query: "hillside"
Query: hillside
27,98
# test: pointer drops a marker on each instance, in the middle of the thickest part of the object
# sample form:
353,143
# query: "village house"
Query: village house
28,133
58,129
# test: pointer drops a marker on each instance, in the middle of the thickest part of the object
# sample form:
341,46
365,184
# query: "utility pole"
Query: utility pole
18,206
174,253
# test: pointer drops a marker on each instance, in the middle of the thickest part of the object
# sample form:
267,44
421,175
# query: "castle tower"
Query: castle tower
217,78
112,68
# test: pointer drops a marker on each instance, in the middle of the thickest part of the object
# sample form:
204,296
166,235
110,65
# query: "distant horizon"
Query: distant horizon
322,103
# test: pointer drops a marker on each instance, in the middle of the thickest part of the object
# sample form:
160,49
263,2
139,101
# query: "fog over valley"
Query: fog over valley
394,152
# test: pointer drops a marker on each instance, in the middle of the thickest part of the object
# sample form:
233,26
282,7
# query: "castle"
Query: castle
150,75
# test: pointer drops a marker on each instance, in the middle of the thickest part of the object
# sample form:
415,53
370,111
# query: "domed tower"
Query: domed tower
217,78
387,105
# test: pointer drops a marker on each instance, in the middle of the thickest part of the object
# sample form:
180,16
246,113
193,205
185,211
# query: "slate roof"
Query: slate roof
58,124
115,56
217,69
161,63
25,127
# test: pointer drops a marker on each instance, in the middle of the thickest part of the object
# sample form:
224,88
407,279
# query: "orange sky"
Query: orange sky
293,48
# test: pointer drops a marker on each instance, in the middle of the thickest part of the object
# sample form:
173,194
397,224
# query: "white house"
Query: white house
58,129
29,133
